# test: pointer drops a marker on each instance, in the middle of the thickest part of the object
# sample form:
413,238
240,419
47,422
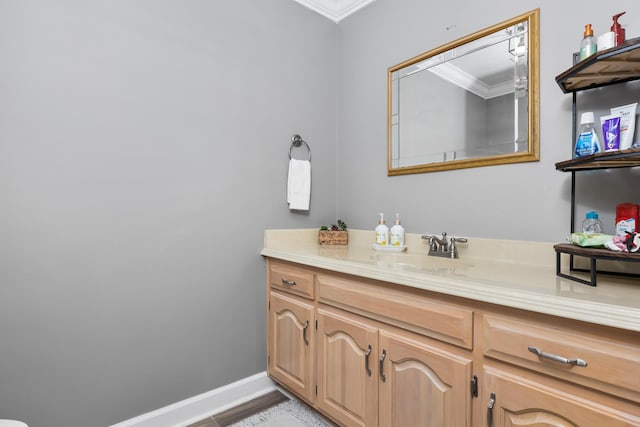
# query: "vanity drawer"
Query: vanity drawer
392,305
616,364
291,279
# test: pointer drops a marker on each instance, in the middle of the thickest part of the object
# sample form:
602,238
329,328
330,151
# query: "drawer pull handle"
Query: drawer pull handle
492,402
304,333
366,360
382,357
559,359
288,282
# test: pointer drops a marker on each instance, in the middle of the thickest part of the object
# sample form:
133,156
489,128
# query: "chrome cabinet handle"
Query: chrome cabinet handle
366,360
492,402
288,282
559,359
382,357
304,333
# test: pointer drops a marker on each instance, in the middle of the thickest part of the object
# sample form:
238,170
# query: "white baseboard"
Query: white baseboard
199,407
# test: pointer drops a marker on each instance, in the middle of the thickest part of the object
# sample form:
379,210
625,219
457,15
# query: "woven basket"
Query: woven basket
330,237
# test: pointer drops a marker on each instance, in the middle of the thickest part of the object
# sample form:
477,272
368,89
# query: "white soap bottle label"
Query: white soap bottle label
381,238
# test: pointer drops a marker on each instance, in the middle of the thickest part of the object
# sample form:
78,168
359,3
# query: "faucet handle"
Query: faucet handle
459,239
453,249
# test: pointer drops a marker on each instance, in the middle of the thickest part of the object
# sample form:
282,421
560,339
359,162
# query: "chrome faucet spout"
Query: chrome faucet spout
442,243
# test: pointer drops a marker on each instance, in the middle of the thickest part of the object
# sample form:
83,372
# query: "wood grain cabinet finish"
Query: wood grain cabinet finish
367,353
347,369
371,374
424,315
291,340
573,355
423,385
521,399
288,278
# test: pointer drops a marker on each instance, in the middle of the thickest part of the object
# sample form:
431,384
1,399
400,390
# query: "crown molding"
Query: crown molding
335,10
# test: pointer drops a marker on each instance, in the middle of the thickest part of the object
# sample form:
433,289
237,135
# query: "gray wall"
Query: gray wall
524,201
143,151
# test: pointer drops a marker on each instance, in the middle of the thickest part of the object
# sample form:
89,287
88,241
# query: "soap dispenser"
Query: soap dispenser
382,232
396,234
588,45
618,31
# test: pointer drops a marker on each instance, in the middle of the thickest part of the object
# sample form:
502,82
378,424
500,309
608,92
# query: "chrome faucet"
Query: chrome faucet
440,246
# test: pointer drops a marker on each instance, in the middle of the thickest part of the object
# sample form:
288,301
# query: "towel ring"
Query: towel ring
297,141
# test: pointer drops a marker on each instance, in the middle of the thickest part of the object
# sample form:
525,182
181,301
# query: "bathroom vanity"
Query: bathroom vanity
493,338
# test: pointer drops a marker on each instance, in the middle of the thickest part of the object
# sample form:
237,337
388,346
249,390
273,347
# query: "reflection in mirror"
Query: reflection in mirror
472,102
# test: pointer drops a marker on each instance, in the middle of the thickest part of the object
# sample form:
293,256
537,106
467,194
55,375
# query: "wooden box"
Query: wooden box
330,237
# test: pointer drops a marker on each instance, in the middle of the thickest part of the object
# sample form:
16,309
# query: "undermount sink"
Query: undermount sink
420,262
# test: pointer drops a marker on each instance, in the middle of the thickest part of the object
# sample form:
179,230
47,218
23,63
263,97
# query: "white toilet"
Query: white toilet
12,423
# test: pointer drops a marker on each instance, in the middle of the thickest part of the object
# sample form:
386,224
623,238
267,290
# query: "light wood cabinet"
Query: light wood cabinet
291,341
347,369
371,374
573,354
371,353
518,399
422,384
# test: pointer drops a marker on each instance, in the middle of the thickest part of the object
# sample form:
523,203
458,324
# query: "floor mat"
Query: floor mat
287,414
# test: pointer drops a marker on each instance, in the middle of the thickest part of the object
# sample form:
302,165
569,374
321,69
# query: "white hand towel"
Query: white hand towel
299,184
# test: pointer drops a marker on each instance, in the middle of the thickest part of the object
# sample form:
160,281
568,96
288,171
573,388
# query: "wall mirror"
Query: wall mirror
471,102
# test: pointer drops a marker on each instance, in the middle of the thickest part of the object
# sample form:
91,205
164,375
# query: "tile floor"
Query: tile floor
243,411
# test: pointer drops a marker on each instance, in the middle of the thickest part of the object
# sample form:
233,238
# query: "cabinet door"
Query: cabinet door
520,399
422,385
291,338
347,369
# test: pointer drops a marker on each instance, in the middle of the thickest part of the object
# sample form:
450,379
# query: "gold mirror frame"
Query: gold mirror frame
533,146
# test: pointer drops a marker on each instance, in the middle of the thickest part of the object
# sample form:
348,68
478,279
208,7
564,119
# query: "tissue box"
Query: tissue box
330,237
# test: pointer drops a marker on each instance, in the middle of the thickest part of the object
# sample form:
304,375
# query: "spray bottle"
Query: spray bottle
618,31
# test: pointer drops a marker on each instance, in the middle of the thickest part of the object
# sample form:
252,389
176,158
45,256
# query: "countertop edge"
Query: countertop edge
586,311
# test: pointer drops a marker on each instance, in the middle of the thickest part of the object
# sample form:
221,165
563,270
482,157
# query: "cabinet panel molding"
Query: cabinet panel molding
347,391
424,385
290,343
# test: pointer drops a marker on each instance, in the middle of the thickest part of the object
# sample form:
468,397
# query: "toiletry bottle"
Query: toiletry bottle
618,31
587,142
591,223
382,232
627,217
588,44
396,234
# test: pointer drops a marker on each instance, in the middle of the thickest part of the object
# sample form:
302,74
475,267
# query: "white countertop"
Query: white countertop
511,273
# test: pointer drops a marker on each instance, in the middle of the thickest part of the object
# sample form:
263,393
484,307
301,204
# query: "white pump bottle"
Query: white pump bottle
382,232
396,234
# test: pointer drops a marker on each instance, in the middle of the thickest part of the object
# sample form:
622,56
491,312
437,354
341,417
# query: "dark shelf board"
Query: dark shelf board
596,253
616,65
605,160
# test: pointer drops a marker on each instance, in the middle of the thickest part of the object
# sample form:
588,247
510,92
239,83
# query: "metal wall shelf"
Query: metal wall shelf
616,65
612,66
606,160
